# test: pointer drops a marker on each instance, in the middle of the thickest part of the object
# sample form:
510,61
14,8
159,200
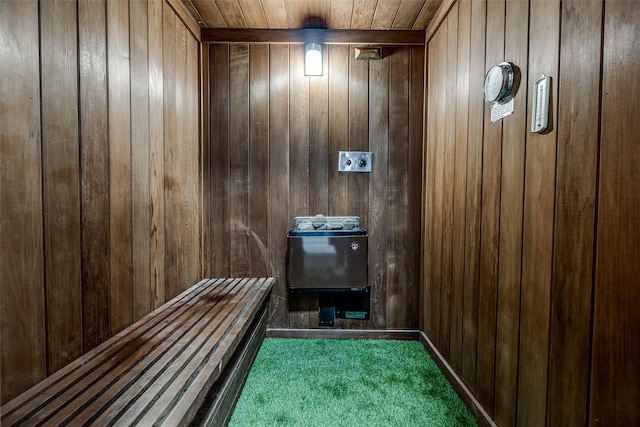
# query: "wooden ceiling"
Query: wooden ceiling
330,14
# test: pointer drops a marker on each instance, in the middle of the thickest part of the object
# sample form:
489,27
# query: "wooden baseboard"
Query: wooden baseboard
395,334
459,386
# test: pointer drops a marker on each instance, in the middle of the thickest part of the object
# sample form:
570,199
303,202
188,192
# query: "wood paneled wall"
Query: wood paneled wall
273,155
530,246
99,175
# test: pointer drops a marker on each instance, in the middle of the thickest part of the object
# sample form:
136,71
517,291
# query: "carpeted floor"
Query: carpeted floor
347,382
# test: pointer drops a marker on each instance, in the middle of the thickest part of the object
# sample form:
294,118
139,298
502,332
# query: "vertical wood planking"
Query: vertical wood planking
94,149
99,208
156,154
172,184
279,222
61,173
490,231
119,110
379,185
298,133
338,126
414,184
191,168
218,186
140,160
460,183
511,206
615,368
435,134
239,158
474,193
538,225
298,165
448,182
21,266
319,140
576,176
259,159
398,187
319,155
358,203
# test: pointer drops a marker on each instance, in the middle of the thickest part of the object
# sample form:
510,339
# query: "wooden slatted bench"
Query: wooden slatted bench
183,364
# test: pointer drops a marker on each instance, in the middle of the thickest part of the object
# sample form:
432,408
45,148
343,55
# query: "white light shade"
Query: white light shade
313,59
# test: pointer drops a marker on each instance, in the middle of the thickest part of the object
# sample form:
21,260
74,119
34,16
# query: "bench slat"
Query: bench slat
89,369
154,381
183,399
164,349
160,368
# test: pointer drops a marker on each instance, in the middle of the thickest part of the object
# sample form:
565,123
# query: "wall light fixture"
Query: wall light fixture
313,59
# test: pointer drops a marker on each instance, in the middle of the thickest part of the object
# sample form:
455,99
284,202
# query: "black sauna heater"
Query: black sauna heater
329,255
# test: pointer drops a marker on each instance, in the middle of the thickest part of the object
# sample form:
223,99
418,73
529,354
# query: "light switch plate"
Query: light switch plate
355,161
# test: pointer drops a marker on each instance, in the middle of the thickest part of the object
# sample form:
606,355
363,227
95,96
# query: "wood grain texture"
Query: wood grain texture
448,172
337,14
490,229
414,182
172,156
156,153
279,142
460,182
218,185
94,148
22,264
61,174
397,230
576,176
119,127
238,158
98,103
328,37
514,132
538,228
615,348
433,209
142,294
474,194
259,158
379,184
338,126
299,163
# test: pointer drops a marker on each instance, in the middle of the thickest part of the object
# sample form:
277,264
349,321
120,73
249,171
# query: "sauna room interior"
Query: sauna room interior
146,145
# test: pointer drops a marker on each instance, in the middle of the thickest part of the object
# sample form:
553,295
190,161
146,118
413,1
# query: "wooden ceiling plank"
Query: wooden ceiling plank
209,13
362,16
426,14
253,13
341,11
276,13
319,13
232,14
407,14
385,14
297,13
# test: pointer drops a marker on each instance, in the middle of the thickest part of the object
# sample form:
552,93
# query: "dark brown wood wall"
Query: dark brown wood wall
530,246
274,141
99,175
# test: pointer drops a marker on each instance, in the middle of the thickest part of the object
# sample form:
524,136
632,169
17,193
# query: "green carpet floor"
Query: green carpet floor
347,382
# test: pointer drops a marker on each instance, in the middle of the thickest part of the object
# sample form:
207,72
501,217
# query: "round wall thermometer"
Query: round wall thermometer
498,83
